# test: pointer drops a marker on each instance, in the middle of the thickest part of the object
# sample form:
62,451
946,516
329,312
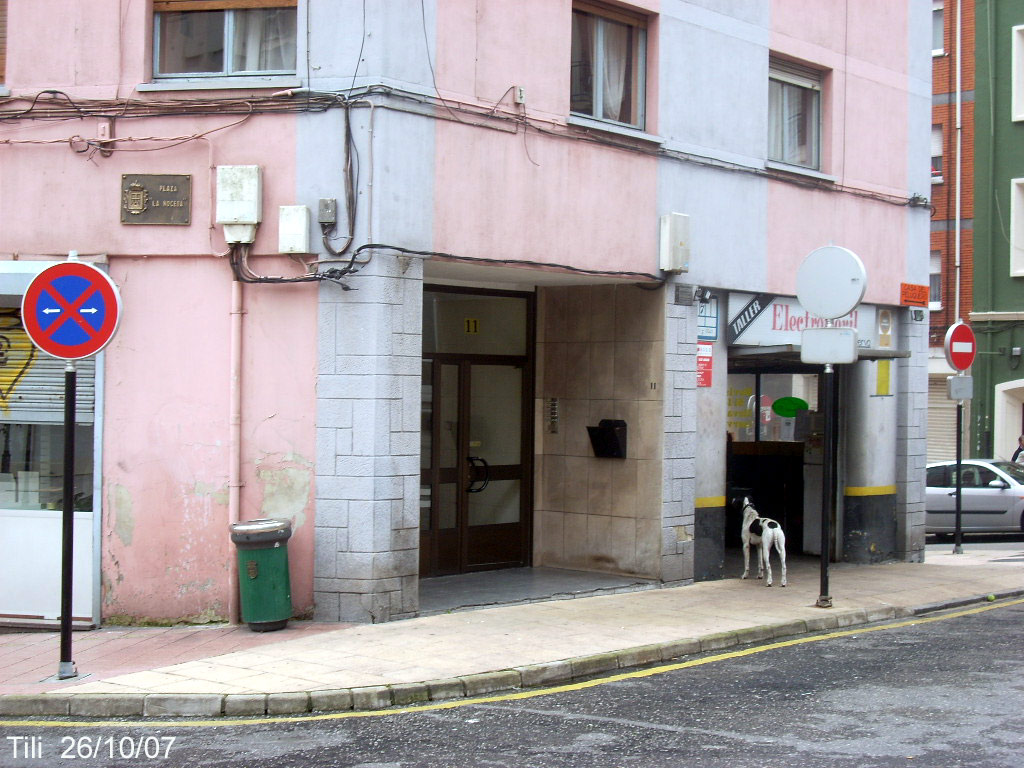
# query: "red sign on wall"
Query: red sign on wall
704,360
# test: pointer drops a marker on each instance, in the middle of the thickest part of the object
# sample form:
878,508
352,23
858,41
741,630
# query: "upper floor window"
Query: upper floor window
609,63
3,40
936,154
207,38
935,280
794,114
938,33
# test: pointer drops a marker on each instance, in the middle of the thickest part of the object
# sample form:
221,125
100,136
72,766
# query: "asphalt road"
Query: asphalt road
940,693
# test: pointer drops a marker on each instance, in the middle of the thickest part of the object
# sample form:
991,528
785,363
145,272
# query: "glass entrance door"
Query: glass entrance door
472,501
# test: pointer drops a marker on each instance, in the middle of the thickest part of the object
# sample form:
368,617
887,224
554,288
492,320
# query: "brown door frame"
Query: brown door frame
430,543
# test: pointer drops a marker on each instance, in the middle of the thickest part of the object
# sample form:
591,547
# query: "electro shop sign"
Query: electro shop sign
71,310
764,319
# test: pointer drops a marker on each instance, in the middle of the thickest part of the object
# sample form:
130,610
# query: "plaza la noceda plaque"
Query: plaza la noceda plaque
156,199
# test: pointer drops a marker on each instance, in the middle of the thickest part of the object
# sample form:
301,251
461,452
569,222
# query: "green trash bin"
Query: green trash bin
263,583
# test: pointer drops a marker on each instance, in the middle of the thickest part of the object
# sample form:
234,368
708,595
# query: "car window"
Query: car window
969,476
936,477
1015,471
986,476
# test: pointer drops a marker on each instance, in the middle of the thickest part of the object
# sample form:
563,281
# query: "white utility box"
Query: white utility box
293,229
675,242
239,201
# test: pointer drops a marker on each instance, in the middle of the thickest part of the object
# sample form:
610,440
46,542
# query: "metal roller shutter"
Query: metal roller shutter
32,382
942,422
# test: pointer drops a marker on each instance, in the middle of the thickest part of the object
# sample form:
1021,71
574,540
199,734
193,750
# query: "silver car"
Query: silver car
991,501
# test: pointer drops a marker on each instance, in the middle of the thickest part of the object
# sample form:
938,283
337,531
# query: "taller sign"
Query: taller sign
71,310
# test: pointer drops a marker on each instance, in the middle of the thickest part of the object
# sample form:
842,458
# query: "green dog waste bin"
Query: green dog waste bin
263,583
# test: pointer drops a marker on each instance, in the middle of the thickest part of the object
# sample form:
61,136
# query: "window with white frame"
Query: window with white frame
794,114
936,154
1017,227
205,38
938,29
1017,74
935,280
609,61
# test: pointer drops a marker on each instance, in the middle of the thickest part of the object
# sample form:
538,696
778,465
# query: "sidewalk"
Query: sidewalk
231,671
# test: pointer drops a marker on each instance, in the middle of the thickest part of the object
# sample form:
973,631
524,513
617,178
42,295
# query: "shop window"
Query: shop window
608,66
794,114
195,38
772,407
32,466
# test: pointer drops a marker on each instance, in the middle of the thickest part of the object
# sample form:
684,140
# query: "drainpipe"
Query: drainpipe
235,439
959,132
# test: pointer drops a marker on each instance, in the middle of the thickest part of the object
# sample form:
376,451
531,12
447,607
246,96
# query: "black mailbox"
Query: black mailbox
609,439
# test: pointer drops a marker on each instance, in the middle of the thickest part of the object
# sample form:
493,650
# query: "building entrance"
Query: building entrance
476,447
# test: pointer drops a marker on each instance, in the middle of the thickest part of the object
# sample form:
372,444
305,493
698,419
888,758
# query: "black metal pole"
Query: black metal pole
66,668
958,535
828,496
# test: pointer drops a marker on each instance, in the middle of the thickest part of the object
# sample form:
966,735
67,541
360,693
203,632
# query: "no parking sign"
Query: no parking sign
71,310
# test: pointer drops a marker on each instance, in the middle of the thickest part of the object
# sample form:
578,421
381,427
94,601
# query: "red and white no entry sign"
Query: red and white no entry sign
960,346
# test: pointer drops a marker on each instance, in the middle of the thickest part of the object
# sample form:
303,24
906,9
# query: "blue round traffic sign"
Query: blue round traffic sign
71,310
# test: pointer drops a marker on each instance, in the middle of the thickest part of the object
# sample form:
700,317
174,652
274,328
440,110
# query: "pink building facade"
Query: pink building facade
479,231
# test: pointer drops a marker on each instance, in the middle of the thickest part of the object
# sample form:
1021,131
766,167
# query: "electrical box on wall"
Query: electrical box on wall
239,201
293,229
675,242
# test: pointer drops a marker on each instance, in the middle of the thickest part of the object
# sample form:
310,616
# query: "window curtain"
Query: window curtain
615,95
264,40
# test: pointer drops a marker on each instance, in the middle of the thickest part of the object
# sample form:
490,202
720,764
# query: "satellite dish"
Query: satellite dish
831,282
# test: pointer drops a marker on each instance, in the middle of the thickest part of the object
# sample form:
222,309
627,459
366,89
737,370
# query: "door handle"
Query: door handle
477,462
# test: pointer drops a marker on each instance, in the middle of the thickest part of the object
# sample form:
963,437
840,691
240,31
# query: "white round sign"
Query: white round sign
831,282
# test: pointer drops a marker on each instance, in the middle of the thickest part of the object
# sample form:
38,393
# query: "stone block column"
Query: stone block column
680,440
368,443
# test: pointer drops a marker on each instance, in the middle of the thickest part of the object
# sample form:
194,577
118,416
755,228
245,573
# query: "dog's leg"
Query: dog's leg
766,551
746,560
780,545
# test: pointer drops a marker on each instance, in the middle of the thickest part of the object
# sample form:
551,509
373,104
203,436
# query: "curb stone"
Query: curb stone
244,704
107,704
287,703
384,696
183,704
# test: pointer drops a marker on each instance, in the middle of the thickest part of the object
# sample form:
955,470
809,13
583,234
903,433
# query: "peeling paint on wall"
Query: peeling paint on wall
218,494
286,485
124,520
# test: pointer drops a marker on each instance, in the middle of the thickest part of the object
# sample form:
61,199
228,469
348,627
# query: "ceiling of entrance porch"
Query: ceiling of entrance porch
521,277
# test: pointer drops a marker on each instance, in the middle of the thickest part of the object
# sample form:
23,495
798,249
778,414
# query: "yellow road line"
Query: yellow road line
513,696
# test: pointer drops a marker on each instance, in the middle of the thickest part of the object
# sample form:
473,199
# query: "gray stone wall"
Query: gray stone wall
680,435
912,435
368,444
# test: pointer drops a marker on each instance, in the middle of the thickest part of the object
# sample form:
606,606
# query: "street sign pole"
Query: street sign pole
830,283
828,492
66,668
961,347
958,536
70,311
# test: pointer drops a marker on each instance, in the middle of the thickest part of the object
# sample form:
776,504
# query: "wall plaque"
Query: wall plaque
156,198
